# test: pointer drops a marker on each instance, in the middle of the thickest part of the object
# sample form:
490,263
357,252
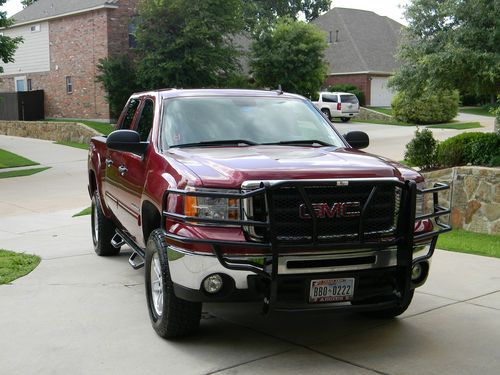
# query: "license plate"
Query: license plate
331,290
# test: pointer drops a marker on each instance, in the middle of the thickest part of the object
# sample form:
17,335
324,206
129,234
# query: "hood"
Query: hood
228,167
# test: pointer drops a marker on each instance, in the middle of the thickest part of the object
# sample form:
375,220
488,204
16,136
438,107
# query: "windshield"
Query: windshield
249,120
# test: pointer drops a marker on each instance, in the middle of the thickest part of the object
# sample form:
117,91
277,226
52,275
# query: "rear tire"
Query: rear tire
103,229
392,312
345,119
170,316
326,111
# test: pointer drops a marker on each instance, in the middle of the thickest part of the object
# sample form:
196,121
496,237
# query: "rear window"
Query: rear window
348,99
330,98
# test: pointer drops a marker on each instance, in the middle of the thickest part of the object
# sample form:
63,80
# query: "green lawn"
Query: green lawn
483,111
457,125
407,163
469,242
83,146
22,172
86,211
382,122
15,265
11,160
384,110
98,126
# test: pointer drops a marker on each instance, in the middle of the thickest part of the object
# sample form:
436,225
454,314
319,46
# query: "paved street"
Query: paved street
82,314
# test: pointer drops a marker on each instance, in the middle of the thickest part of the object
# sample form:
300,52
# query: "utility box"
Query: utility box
22,105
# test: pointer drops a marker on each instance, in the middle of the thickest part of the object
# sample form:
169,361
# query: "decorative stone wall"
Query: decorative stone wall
369,114
53,131
475,197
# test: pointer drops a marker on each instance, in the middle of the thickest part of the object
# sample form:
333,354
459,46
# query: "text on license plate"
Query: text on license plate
331,290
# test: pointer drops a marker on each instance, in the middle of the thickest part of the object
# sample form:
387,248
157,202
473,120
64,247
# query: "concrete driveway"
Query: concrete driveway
82,314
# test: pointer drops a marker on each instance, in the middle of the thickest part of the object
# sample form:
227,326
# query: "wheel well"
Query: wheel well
151,219
92,183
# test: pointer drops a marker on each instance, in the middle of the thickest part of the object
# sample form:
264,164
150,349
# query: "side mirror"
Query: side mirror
126,140
357,139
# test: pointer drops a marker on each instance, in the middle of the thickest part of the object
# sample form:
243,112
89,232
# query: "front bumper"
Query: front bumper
382,271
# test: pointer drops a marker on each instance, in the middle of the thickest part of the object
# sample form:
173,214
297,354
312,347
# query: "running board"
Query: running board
117,241
137,251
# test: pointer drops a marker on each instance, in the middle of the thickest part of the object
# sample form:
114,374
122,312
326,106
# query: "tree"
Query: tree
291,55
187,43
118,78
268,11
8,45
450,44
27,3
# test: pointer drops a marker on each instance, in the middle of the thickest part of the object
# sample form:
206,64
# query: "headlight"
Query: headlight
212,208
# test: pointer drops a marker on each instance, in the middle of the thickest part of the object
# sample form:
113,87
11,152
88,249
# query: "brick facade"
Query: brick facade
77,43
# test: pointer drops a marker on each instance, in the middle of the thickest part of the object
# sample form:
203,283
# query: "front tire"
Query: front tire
103,229
393,311
170,316
345,119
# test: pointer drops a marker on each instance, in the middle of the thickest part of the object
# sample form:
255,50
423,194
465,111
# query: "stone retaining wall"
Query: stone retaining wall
53,131
369,114
475,197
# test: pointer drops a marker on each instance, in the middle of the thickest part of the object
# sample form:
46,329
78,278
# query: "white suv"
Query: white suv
341,105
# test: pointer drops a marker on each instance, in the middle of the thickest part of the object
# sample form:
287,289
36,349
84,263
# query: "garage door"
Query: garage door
381,96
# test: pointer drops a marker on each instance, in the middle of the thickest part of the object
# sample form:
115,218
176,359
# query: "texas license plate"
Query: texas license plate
331,290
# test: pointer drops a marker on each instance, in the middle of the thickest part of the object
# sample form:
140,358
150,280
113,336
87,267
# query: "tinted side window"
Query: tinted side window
146,120
330,98
349,99
129,116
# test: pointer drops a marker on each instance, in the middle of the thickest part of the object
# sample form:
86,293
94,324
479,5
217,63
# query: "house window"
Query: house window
35,28
29,84
20,83
132,27
69,84
330,40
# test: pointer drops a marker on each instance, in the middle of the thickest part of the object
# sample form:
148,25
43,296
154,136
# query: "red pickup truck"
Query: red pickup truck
246,195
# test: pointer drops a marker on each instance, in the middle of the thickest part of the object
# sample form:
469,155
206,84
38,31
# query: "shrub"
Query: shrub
496,112
473,148
351,89
426,108
421,150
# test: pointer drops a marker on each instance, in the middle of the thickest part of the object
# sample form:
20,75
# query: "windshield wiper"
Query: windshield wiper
229,142
300,142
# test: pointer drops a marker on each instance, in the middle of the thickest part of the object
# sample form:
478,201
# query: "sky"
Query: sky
389,8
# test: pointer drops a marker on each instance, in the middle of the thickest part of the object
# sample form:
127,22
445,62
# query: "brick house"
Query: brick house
361,51
63,42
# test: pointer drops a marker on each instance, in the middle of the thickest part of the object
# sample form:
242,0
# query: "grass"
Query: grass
472,243
101,127
83,146
22,172
407,163
11,160
383,122
86,211
483,111
384,110
457,125
15,265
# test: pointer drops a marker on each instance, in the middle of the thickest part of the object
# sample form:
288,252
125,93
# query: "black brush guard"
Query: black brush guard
404,239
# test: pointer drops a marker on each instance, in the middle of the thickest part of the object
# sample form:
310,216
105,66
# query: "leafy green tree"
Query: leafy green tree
27,3
187,43
268,11
118,78
8,45
451,44
291,55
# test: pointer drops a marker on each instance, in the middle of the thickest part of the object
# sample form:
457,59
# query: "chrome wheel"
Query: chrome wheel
156,285
95,224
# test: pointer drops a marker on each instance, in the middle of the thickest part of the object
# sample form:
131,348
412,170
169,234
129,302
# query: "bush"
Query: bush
474,148
426,108
496,112
351,89
421,151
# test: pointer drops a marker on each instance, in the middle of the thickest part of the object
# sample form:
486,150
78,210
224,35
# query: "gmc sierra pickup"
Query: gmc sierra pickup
242,195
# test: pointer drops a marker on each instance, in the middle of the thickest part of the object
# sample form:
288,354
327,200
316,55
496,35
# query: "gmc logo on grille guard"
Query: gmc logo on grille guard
338,209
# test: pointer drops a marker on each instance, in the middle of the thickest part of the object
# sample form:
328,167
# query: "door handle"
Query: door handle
122,170
109,162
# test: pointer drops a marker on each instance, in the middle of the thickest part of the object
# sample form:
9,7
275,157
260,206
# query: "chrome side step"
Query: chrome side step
117,241
137,251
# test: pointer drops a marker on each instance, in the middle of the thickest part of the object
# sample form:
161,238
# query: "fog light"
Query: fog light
416,272
213,283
